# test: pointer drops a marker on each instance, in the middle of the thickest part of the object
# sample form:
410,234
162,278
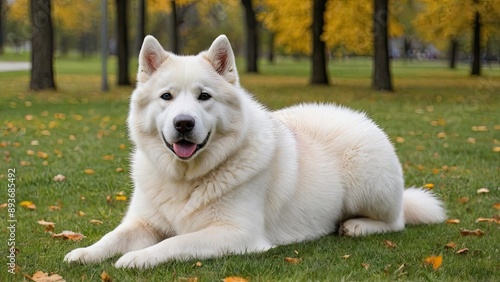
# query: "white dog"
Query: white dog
215,173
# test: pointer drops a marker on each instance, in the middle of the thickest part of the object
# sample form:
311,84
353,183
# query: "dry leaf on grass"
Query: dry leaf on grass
462,251
490,220
59,178
49,226
496,206
476,232
435,261
80,213
234,279
293,260
346,256
121,198
96,222
453,221
450,245
390,244
429,186
89,171
463,200
69,235
105,277
41,276
198,264
483,190
365,265
3,206
28,204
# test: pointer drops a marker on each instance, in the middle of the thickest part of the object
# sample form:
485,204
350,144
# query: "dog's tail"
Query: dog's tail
422,207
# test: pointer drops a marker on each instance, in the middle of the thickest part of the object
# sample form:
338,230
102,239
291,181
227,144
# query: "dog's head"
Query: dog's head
185,103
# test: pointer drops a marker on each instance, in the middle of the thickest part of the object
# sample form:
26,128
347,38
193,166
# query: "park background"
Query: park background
433,87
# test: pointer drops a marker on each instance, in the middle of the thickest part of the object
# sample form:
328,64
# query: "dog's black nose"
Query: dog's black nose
184,123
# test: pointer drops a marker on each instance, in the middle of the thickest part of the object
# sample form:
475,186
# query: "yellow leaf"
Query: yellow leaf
28,204
346,256
429,186
435,261
121,198
122,146
108,157
400,139
389,244
105,277
3,205
453,221
234,279
496,149
119,169
490,220
80,213
89,171
365,265
96,222
49,226
42,155
54,208
496,206
41,276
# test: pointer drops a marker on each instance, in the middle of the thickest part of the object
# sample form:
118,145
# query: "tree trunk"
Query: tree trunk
381,79
104,46
319,72
476,46
122,42
252,36
42,45
175,28
141,26
453,53
2,25
270,55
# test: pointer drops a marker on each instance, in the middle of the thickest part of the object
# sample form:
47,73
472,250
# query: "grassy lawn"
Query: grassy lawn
444,124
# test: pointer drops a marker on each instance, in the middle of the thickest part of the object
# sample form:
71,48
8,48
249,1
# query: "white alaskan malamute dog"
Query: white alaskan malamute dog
216,173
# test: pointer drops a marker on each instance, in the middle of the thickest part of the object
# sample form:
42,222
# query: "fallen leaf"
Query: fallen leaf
69,235
481,128
293,260
483,219
121,198
198,264
96,221
346,256
234,279
122,146
462,251
400,140
28,204
80,213
3,206
463,200
483,190
41,276
59,178
496,149
188,279
441,135
89,171
389,244
105,277
49,226
450,245
435,261
453,221
108,157
476,232
30,152
496,206
109,199
365,265
471,140
119,169
54,208
42,155
429,186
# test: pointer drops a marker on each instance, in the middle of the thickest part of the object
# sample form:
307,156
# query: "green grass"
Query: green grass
435,110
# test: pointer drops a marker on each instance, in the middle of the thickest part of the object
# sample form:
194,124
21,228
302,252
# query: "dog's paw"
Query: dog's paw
137,259
84,255
351,228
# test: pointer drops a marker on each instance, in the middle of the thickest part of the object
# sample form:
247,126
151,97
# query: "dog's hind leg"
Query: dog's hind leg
364,226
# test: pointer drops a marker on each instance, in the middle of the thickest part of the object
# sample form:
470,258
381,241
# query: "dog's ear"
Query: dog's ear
221,56
151,57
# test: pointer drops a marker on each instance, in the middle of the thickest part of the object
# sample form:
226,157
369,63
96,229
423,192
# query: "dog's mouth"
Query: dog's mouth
185,149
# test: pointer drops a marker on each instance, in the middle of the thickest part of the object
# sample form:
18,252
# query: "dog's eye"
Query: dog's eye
166,96
204,96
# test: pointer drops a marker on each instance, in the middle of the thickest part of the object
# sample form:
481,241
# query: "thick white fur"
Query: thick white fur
263,179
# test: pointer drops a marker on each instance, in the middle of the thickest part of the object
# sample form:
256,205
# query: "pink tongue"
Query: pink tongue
184,149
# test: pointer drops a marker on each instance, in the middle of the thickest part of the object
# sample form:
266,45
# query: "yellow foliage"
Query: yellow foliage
348,24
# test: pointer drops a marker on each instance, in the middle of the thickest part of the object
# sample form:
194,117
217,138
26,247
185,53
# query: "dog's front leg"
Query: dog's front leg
132,234
213,241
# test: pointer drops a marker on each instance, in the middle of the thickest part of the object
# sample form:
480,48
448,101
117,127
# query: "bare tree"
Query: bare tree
252,36
381,79
174,34
141,25
42,45
319,71
122,42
